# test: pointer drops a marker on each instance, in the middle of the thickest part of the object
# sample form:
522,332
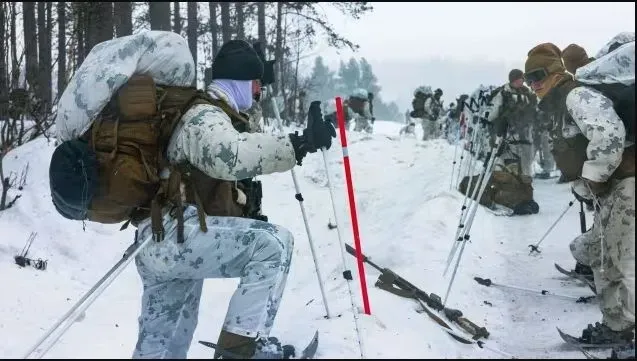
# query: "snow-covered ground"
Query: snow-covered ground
407,216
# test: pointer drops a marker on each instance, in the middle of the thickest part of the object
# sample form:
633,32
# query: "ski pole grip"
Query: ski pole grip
485,282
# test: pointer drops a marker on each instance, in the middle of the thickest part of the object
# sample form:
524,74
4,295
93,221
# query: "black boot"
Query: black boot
601,334
583,269
240,346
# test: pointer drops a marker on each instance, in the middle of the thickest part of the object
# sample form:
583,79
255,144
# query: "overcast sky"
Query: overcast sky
455,46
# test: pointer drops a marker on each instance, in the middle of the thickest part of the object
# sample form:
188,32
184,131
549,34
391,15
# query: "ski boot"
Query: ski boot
233,346
584,270
601,334
271,348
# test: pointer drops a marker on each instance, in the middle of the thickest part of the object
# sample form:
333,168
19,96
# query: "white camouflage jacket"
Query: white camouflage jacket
206,139
594,117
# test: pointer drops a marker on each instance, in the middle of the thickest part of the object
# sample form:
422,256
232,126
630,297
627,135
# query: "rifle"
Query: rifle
393,283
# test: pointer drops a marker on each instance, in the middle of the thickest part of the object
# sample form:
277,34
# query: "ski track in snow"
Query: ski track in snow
407,219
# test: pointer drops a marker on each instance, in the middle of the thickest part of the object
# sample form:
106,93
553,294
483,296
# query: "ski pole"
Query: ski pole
487,282
352,205
535,247
455,154
299,197
470,194
582,217
493,156
87,299
347,274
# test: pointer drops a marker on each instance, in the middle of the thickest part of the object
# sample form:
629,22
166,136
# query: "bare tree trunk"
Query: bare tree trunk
30,44
238,6
102,19
192,34
177,27
61,48
48,57
5,186
79,14
43,65
278,49
88,28
159,13
296,85
214,30
123,18
4,71
15,66
226,27
261,25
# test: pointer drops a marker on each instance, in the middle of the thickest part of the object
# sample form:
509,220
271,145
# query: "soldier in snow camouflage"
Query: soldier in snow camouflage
590,148
205,140
257,252
511,111
359,108
427,106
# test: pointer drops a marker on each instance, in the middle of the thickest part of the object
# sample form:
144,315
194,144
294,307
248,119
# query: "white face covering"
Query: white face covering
239,92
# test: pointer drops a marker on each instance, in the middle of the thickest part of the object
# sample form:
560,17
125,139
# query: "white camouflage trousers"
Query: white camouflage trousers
547,163
615,222
429,129
525,154
172,274
362,125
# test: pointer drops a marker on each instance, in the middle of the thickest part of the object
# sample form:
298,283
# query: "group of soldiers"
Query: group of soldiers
357,109
575,113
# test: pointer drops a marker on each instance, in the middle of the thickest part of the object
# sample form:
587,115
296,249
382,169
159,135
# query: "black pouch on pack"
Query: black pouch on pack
73,178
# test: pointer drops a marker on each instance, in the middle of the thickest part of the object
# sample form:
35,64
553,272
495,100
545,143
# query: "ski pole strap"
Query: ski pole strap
582,217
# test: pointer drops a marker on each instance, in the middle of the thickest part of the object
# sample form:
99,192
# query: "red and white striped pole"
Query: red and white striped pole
352,204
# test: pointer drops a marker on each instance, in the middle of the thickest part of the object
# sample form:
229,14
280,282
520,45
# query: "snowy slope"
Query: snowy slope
407,218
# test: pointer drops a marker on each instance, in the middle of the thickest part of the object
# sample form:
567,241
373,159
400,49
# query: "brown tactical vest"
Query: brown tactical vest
130,137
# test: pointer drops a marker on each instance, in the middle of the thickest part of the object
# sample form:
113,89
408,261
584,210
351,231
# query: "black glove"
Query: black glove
317,135
373,120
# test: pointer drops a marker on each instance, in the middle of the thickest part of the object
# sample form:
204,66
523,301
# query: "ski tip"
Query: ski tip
310,350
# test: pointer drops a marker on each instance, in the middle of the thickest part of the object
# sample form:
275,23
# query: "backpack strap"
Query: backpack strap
173,103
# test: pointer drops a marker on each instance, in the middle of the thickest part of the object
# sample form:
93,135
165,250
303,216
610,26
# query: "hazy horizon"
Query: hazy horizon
457,46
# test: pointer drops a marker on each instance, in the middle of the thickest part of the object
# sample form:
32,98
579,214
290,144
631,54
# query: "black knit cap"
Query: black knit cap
237,60
515,74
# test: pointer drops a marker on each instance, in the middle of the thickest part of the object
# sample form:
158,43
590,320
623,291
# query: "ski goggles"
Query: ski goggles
535,75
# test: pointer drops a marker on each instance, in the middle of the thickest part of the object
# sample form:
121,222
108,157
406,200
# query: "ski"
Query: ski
589,355
574,341
393,283
442,323
578,277
308,352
